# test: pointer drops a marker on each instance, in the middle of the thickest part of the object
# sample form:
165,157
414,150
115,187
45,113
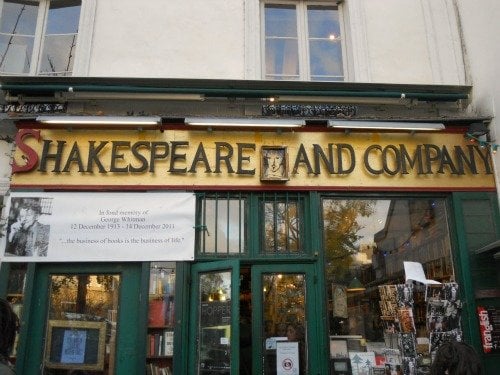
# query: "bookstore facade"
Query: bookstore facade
182,248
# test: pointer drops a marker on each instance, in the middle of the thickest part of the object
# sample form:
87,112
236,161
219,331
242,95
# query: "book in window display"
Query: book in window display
406,320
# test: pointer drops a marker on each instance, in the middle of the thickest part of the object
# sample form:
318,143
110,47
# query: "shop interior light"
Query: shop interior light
355,286
244,123
385,125
76,121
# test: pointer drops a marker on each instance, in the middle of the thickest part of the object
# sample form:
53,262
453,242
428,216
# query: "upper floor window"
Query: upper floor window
38,37
302,41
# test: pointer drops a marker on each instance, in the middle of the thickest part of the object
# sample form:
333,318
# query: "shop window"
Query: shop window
15,295
302,41
221,224
160,334
38,37
82,323
366,243
282,224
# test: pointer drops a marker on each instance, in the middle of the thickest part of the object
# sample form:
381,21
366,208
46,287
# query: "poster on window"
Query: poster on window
287,358
75,227
489,328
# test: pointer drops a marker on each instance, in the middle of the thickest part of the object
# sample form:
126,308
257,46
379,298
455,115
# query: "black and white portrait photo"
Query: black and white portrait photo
27,234
405,295
451,292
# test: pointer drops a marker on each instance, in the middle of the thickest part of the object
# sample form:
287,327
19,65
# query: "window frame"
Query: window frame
41,34
301,7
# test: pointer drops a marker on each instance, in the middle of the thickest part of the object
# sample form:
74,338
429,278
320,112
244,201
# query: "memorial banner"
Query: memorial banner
94,227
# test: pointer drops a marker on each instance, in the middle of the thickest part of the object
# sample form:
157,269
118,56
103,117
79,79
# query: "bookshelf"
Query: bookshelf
161,309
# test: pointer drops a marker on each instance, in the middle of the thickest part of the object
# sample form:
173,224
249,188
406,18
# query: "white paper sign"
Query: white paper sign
415,271
74,227
287,358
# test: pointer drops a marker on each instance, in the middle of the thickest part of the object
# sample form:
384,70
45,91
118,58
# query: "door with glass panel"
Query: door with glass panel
283,302
76,318
214,321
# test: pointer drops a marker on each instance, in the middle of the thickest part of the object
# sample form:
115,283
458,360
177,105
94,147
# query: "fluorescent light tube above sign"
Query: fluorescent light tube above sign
385,125
244,122
100,120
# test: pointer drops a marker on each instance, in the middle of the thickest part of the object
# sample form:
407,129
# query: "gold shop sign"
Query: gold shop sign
201,159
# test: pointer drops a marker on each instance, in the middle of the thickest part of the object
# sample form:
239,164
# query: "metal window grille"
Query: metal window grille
221,224
282,223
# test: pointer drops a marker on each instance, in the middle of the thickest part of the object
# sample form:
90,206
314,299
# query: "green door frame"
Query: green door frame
314,338
470,239
131,335
232,265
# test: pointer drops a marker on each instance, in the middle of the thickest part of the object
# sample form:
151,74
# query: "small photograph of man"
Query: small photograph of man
26,233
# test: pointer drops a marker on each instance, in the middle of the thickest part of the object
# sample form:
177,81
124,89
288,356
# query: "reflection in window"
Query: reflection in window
325,49
15,294
281,42
78,304
302,41
283,314
17,34
282,226
60,38
214,323
221,225
24,25
365,244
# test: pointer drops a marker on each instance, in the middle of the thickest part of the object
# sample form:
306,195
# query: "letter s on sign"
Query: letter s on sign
30,154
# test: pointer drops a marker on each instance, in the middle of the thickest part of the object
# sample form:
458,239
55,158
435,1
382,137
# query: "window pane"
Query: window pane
19,18
323,22
284,317
223,223
16,53
325,59
58,54
281,227
60,38
15,296
281,42
17,30
365,244
63,19
214,323
281,21
161,318
82,323
282,58
325,49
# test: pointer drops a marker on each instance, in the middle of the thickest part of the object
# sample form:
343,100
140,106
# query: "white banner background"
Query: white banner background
107,226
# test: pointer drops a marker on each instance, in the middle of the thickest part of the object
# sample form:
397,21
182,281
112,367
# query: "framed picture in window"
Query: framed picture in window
274,163
75,345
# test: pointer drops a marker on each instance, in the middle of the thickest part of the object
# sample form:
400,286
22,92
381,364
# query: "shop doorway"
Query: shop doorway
253,319
76,318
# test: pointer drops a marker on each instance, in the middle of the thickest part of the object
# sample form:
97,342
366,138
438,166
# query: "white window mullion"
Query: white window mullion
263,39
343,38
43,11
303,41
